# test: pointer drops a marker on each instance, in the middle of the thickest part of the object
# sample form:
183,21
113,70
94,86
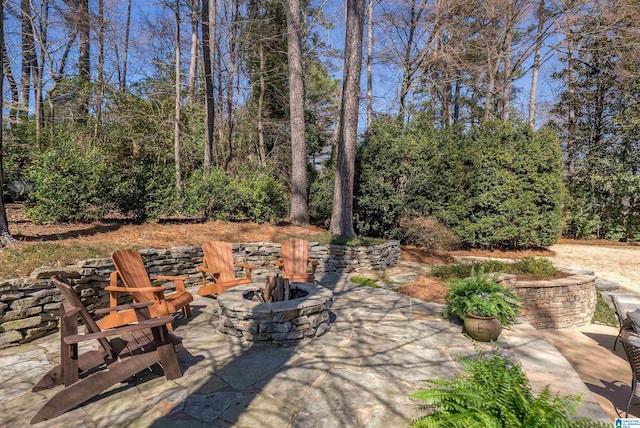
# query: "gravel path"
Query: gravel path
618,264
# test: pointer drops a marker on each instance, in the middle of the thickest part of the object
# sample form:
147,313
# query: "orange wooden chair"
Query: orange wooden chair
217,262
295,261
135,281
123,352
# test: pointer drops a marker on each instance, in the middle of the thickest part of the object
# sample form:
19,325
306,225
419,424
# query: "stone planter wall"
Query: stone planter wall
29,306
559,303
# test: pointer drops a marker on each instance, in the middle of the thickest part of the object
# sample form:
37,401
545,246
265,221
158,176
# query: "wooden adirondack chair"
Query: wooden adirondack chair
295,261
135,281
123,352
217,261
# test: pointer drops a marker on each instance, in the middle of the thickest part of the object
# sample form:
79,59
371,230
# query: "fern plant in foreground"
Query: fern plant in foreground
493,392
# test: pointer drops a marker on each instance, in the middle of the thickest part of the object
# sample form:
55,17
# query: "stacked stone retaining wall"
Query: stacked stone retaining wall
29,307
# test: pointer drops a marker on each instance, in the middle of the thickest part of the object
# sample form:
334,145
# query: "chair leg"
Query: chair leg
93,385
633,392
88,360
615,342
166,353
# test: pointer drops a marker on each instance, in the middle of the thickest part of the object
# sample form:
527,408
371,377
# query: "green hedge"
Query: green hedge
70,183
255,196
497,185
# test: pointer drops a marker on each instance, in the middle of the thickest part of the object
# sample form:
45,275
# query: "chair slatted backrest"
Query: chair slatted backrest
632,350
218,256
295,255
133,274
71,302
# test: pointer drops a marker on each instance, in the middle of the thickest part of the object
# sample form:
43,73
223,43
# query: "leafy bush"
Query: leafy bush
428,233
494,392
145,191
212,195
605,201
537,268
70,183
496,185
255,196
261,197
479,291
321,197
514,195
464,270
533,266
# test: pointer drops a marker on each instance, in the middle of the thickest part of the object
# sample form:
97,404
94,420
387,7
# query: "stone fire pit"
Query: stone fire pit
279,322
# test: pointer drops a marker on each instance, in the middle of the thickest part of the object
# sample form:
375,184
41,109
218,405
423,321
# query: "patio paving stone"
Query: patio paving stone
380,347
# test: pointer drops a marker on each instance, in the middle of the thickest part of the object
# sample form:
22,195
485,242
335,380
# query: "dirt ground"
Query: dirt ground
612,261
165,234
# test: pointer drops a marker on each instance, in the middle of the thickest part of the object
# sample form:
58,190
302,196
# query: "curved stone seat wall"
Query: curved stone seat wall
29,306
558,303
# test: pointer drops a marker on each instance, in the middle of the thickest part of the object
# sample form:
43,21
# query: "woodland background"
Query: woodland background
499,123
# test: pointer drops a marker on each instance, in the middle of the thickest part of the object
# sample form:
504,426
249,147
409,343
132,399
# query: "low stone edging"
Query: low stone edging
558,303
29,307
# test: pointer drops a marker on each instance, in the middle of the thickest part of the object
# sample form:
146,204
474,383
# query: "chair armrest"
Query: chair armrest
158,289
133,306
178,281
156,322
244,265
314,265
204,269
169,278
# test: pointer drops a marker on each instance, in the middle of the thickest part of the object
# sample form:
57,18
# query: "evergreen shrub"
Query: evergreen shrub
144,190
70,183
211,195
255,196
496,185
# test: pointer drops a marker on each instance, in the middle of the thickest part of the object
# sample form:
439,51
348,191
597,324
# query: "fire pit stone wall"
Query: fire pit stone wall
278,322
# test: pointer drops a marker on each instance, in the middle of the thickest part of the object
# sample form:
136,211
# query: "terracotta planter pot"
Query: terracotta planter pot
483,329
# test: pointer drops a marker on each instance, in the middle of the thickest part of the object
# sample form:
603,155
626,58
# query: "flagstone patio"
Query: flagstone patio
379,348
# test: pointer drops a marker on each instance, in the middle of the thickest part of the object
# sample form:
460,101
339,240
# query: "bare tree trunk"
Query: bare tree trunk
493,71
13,86
335,133
370,64
571,137
28,57
100,95
506,88
456,102
447,118
176,124
220,104
193,60
262,152
39,75
125,54
342,210
233,36
208,43
84,58
5,235
536,66
299,213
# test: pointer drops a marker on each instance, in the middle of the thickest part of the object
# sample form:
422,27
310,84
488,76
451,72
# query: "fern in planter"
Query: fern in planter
494,392
480,293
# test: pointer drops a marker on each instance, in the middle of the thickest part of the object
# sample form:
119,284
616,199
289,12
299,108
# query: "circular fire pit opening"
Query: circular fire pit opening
304,316
296,293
